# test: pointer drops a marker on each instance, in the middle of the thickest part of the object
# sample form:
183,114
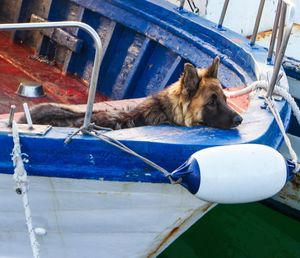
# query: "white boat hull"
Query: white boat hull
89,218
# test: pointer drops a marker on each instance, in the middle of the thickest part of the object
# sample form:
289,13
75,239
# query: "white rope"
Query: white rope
283,93
277,90
20,177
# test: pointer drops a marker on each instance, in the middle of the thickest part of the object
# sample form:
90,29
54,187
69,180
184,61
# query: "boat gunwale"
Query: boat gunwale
258,135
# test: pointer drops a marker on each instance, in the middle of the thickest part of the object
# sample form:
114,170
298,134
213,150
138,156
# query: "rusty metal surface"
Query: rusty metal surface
290,194
266,34
263,39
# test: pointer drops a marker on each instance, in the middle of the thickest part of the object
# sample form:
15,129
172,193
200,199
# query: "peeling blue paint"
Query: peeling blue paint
160,39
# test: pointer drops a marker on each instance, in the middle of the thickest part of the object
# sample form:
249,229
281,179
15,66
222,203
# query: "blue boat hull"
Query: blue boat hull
145,44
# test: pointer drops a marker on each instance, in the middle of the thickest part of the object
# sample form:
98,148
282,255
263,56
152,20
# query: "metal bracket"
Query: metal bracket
24,129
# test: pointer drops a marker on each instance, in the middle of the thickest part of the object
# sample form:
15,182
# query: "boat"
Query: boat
87,197
287,201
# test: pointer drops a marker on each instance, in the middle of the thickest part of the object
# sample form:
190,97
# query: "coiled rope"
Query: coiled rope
20,177
287,96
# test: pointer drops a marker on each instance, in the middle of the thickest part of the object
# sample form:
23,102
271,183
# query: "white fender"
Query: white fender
234,174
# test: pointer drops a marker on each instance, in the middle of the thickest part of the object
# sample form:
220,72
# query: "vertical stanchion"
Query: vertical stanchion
257,22
221,20
274,31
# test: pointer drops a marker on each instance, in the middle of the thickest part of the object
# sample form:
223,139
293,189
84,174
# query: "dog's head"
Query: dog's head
207,101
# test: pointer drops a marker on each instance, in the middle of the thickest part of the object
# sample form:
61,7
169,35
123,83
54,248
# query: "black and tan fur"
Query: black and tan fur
196,98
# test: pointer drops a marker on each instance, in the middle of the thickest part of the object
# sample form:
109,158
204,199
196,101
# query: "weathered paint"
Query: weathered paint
167,39
16,65
164,239
90,218
159,36
112,21
292,50
60,36
236,19
289,197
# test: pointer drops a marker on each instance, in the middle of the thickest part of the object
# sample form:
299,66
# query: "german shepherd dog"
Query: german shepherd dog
196,98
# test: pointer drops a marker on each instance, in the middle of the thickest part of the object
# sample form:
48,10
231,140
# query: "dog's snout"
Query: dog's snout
237,119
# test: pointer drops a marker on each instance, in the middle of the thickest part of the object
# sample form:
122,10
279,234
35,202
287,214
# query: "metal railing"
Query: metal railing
283,37
97,58
282,27
275,27
191,4
283,41
257,22
223,13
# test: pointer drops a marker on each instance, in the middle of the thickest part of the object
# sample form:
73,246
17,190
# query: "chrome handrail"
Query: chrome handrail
274,30
280,29
222,16
192,5
284,32
97,58
283,44
257,22
181,4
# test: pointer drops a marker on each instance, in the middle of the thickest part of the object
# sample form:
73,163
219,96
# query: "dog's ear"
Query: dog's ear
212,70
190,79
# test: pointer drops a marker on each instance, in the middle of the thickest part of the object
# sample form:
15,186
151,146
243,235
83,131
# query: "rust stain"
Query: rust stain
175,230
263,34
267,33
296,182
205,208
168,236
292,197
288,196
296,26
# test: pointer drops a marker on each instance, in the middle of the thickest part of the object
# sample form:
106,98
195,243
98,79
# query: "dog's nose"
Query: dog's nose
237,120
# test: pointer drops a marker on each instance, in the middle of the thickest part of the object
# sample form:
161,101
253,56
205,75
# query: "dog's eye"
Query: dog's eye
212,100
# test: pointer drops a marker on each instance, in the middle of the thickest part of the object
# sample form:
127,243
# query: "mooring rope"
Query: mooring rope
288,97
277,117
20,177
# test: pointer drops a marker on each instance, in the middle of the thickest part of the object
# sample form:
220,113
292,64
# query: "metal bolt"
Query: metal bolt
18,190
11,115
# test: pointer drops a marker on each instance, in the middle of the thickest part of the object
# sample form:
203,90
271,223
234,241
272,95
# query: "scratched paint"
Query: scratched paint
16,65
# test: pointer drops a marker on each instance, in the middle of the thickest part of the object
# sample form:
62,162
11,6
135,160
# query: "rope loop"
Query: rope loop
270,104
